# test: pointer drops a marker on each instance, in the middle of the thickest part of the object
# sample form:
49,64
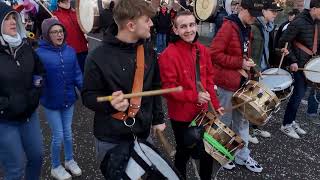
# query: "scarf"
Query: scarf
13,41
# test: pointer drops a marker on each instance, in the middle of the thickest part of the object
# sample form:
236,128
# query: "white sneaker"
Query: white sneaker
297,128
60,173
253,140
288,130
259,132
230,165
73,167
250,164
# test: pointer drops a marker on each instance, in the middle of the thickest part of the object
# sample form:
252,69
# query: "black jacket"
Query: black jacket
110,68
18,97
301,29
163,22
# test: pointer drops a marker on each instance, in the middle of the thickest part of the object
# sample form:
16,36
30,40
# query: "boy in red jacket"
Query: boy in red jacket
228,49
178,68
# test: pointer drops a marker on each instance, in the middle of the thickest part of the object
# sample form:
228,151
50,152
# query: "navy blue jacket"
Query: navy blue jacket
63,75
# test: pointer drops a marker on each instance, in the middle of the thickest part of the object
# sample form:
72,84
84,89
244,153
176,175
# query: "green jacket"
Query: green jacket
257,44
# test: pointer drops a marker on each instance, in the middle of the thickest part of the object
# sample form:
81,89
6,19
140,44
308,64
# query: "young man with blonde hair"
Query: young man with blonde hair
110,69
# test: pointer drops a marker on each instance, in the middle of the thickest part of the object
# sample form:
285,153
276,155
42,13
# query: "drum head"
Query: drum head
85,15
204,9
276,80
151,157
313,64
227,6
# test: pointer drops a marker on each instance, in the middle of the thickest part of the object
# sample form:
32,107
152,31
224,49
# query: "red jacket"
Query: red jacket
177,68
227,56
75,37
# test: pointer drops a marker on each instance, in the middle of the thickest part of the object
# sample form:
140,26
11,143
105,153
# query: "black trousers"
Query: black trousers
183,153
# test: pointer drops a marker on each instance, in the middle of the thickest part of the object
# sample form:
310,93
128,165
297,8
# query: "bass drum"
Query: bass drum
88,13
205,9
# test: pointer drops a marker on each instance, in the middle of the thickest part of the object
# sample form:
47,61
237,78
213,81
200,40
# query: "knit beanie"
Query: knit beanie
47,25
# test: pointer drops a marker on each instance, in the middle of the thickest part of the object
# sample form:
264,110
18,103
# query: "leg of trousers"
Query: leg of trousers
183,153
20,142
235,121
312,102
300,87
60,124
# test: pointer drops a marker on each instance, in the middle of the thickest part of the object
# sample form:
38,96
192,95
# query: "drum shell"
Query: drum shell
259,111
220,132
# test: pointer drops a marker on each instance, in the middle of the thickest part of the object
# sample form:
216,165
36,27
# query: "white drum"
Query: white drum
204,9
279,81
151,158
313,77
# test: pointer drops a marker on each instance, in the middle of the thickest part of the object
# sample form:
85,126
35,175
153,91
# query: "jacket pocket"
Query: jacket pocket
17,105
4,103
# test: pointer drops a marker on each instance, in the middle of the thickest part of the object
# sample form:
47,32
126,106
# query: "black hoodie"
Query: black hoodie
110,68
18,97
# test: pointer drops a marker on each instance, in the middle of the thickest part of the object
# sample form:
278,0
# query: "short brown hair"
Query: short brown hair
131,9
182,13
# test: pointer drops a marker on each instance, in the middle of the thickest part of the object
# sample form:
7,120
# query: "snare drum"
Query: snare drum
219,140
262,102
141,161
146,157
313,77
279,81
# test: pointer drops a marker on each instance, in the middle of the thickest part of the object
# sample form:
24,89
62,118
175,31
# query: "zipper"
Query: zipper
63,76
15,54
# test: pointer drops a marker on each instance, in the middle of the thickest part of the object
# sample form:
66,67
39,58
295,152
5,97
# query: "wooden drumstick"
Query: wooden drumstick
44,7
308,70
210,105
141,94
275,74
282,57
167,146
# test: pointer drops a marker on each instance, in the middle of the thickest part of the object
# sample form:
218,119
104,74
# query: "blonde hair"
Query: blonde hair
126,10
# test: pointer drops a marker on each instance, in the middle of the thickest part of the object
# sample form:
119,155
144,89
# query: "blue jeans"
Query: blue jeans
161,42
312,102
19,142
300,88
60,124
235,121
82,60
